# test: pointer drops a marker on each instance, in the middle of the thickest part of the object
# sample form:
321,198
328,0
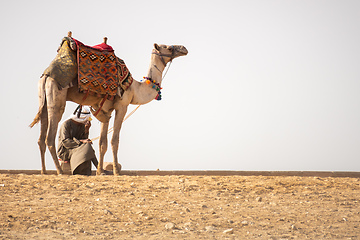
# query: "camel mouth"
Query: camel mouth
182,51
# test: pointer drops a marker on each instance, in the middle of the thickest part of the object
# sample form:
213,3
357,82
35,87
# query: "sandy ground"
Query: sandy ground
178,207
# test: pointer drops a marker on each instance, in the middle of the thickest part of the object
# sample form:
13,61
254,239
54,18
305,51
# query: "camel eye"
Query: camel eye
170,48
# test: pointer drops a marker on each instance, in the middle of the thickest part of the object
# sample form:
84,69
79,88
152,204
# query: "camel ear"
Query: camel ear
156,46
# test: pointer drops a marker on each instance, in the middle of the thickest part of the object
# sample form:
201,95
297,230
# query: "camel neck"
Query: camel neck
156,69
148,90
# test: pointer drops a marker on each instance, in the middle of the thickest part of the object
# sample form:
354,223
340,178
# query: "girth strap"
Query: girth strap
101,104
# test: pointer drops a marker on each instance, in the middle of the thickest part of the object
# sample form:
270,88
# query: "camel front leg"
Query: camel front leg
119,117
102,147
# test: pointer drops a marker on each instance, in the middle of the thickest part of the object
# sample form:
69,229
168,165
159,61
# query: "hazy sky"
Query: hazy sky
267,85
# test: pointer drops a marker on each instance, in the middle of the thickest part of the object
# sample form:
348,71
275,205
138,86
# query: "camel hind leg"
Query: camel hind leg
41,141
56,101
42,116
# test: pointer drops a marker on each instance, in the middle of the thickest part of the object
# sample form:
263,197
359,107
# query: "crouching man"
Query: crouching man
74,144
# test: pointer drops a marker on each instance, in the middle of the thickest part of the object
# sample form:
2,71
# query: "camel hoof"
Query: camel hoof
100,173
43,172
116,172
117,169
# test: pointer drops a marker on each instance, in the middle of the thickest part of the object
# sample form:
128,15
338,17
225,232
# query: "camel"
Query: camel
52,102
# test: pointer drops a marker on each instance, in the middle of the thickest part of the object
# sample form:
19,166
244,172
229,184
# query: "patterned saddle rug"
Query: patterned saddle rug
100,71
96,69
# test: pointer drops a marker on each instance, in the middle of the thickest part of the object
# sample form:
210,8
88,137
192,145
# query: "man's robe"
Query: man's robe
71,149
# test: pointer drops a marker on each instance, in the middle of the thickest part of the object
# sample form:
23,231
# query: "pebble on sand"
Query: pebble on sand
229,231
210,228
170,226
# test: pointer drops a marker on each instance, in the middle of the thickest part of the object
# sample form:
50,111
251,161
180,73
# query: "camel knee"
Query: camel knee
103,150
42,145
103,145
50,143
115,141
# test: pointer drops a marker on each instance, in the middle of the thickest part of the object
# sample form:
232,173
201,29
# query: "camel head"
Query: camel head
169,52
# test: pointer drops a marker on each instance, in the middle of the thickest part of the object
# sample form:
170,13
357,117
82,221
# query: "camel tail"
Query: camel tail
42,101
36,119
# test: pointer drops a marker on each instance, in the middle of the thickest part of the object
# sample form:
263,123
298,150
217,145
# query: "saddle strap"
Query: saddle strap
101,104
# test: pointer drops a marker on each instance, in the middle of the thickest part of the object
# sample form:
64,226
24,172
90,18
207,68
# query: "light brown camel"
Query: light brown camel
52,103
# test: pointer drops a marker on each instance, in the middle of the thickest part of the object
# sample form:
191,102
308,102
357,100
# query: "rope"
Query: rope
166,71
112,128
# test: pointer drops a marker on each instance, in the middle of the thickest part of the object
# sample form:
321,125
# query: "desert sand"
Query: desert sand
178,207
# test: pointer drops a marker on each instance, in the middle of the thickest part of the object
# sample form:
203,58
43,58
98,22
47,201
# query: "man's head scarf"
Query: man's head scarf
84,115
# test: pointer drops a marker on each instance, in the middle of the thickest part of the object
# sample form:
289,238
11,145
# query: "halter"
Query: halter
171,56
161,55
156,85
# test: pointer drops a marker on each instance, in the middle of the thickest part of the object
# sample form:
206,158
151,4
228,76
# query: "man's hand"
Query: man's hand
87,126
86,141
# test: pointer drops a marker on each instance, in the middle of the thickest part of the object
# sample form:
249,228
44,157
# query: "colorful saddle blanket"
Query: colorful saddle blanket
100,71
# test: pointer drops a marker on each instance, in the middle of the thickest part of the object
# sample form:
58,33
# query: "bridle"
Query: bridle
149,80
162,55
171,56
